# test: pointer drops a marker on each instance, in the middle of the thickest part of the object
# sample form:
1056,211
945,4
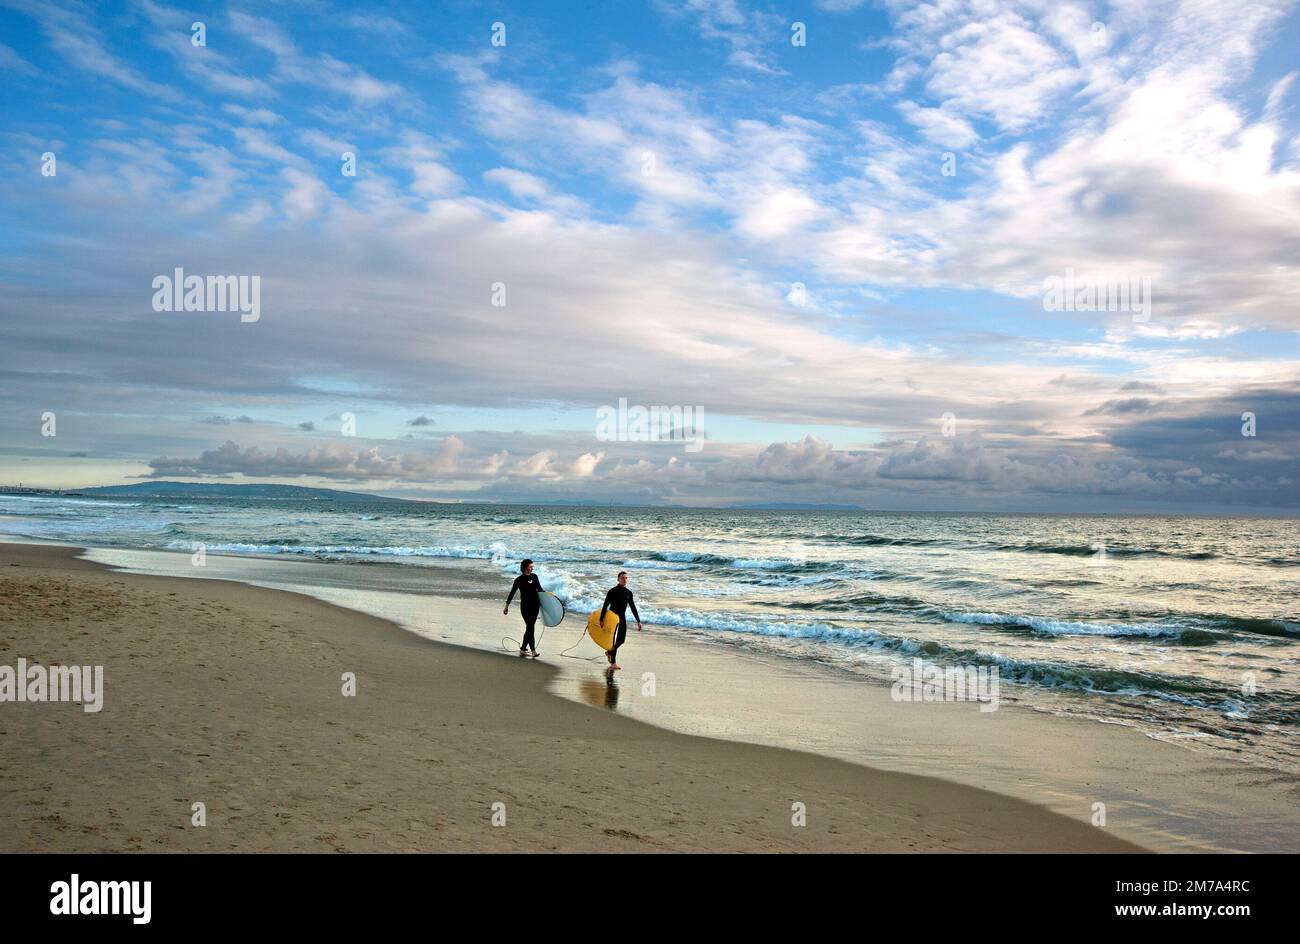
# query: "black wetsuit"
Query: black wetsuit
618,600
528,587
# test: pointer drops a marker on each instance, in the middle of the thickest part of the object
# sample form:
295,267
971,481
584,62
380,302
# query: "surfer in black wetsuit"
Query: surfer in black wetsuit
618,600
528,587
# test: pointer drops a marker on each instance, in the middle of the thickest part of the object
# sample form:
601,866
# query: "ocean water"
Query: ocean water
1187,628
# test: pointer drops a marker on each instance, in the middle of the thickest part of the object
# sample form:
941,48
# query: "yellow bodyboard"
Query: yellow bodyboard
603,635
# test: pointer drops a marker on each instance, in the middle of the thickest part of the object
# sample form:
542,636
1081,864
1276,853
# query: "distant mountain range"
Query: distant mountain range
216,490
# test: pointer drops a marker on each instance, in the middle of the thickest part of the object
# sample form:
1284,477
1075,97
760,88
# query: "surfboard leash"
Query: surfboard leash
565,653
519,643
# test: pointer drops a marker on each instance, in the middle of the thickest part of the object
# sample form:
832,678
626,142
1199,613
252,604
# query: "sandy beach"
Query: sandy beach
231,696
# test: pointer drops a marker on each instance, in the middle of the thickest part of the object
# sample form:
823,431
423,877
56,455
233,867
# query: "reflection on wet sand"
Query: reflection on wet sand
598,693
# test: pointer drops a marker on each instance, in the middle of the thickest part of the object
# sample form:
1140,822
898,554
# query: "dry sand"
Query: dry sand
230,695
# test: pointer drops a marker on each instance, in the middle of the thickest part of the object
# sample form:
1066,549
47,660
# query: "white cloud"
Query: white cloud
75,38
939,125
777,213
523,185
11,61
322,70
747,34
306,194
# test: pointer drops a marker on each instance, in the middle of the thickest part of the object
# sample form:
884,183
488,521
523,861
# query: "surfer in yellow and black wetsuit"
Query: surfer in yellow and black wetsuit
529,588
617,601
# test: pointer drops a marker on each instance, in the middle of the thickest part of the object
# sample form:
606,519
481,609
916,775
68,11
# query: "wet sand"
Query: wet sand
1163,791
230,695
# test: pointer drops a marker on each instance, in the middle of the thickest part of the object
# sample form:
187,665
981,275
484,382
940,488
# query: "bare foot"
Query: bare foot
615,665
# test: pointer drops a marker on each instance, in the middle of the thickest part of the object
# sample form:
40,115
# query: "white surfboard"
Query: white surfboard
552,608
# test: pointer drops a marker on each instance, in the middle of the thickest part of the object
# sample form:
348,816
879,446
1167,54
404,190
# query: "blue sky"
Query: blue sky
826,248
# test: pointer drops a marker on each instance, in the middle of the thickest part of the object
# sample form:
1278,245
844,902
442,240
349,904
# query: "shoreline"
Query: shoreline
1159,790
229,694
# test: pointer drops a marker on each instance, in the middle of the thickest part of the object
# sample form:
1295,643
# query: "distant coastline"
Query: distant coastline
30,490
201,490
267,491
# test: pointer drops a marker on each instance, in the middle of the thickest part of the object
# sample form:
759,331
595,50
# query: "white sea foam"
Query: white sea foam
1063,627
